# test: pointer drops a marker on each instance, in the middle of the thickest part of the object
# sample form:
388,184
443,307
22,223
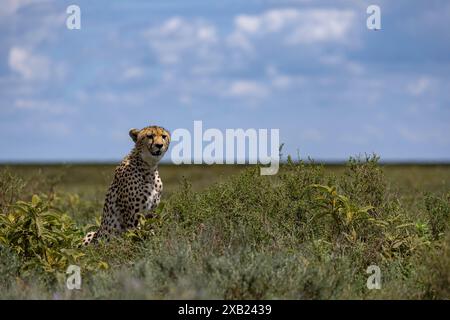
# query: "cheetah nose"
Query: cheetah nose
159,146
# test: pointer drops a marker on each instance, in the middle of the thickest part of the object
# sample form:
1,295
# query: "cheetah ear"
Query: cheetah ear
134,134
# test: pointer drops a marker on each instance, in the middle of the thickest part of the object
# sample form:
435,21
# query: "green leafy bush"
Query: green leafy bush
41,235
438,210
346,214
364,181
10,264
10,188
45,238
434,271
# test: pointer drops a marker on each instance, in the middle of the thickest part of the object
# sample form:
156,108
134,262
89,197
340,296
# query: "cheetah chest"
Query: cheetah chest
153,199
152,194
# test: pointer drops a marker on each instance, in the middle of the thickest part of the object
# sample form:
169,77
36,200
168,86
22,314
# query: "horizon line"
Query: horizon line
329,161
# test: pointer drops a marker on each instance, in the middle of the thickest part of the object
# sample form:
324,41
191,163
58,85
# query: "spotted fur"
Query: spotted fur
136,187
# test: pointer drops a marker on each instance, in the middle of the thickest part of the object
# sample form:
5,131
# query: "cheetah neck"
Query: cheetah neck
135,158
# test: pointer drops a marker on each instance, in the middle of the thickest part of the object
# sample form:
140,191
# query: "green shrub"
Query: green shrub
41,235
346,215
10,189
46,239
438,210
9,266
434,272
364,181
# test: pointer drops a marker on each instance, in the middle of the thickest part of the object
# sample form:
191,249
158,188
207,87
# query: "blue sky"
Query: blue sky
309,68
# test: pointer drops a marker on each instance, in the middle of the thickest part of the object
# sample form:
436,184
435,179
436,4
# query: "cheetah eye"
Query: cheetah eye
164,136
151,136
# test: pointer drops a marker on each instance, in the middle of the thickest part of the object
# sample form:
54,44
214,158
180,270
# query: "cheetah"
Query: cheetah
136,187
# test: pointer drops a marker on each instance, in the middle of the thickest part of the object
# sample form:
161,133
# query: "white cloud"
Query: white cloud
294,26
336,60
132,73
10,7
247,23
281,81
177,37
27,64
241,41
193,53
206,34
322,26
109,98
31,66
42,106
419,86
278,80
275,20
189,52
250,89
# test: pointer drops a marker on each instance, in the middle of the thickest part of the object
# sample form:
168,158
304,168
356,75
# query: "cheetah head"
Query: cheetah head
152,143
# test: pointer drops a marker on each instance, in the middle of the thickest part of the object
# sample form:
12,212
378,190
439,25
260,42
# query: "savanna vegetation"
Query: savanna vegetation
225,232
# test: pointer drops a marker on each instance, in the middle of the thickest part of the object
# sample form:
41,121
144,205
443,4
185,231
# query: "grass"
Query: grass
226,232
